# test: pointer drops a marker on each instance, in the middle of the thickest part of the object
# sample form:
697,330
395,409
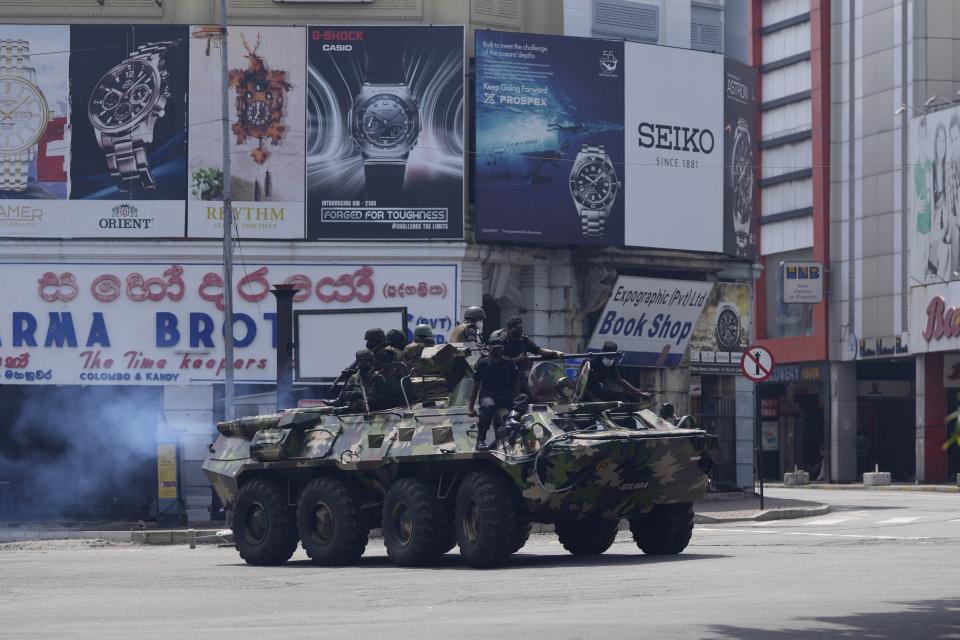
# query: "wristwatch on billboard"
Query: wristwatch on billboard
727,327
124,108
24,114
741,178
384,122
593,186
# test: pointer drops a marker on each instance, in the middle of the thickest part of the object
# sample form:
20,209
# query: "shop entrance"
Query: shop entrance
886,418
78,453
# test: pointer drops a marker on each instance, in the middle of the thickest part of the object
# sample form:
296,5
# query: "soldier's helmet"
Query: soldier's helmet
496,343
474,314
423,331
395,338
375,335
365,356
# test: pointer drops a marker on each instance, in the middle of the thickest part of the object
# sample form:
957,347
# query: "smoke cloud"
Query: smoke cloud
78,452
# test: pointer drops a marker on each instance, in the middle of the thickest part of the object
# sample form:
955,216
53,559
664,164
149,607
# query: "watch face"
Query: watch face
728,329
124,95
386,121
742,175
23,114
594,183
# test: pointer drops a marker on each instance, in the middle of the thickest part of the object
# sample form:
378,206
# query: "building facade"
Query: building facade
74,293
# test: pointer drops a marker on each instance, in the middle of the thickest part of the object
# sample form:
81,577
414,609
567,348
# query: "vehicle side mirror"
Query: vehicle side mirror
687,422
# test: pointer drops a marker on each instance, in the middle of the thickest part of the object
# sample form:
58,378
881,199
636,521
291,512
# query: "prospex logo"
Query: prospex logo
125,216
608,64
336,39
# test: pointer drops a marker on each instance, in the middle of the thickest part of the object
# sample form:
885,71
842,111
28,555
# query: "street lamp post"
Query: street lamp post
228,377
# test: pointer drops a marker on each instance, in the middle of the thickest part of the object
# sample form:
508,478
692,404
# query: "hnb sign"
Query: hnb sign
801,282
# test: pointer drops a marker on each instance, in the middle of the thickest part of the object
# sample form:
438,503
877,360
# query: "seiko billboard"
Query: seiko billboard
587,141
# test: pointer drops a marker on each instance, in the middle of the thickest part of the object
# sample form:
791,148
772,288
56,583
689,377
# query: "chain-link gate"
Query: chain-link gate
718,417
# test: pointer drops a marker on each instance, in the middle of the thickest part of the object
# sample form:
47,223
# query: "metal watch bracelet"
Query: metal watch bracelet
593,222
14,61
126,155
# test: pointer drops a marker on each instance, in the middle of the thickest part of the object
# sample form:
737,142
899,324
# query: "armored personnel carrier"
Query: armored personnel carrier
325,478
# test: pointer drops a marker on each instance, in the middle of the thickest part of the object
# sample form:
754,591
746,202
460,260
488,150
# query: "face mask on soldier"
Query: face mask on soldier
479,325
607,362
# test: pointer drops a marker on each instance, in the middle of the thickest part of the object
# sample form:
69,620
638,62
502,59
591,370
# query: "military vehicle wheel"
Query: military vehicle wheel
264,527
332,526
587,537
486,519
415,525
664,530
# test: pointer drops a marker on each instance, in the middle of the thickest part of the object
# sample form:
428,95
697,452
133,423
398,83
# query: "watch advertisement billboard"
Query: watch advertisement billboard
159,324
589,141
129,130
651,319
267,107
385,132
723,330
550,140
34,125
741,106
674,126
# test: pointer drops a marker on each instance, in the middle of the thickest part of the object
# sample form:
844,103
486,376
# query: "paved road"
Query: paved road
884,565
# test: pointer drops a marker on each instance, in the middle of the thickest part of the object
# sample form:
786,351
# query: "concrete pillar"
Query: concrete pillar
188,411
843,420
676,24
745,420
471,285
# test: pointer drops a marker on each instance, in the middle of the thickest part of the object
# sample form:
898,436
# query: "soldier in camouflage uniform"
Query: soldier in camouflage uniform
422,337
471,329
376,341
366,381
396,343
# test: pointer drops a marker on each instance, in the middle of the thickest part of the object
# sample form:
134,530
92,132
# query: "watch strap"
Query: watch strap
127,158
384,62
14,171
15,61
593,222
384,181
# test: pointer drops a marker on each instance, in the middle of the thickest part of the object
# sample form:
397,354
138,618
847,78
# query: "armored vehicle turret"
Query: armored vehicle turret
324,478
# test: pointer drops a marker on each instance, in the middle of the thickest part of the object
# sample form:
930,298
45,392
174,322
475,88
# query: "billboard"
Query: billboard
385,132
158,324
674,181
651,319
588,141
935,197
741,106
268,98
723,330
34,127
129,131
550,140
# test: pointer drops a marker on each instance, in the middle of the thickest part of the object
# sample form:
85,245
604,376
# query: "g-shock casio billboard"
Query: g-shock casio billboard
385,137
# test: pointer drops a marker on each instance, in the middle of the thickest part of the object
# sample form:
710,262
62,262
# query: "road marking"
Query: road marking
826,521
815,535
957,520
900,520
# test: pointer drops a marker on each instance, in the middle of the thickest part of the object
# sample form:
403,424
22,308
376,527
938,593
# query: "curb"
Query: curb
788,513
938,488
161,537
